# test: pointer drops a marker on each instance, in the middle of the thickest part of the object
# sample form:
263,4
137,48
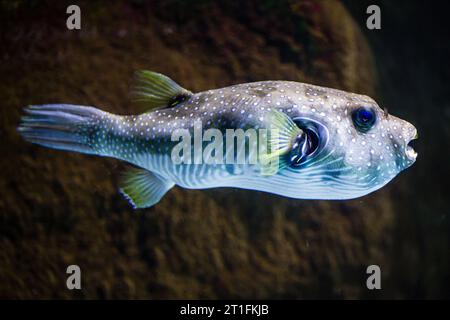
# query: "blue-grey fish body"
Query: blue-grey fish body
330,144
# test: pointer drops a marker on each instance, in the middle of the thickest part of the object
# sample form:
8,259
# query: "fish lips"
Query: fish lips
410,153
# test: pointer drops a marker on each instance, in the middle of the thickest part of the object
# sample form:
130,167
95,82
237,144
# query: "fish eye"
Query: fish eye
363,118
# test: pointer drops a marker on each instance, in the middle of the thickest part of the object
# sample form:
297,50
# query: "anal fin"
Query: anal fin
144,188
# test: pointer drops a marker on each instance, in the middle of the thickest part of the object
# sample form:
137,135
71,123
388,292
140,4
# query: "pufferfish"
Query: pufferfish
330,144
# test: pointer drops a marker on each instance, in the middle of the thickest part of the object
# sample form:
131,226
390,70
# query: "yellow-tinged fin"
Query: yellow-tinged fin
143,188
152,90
281,135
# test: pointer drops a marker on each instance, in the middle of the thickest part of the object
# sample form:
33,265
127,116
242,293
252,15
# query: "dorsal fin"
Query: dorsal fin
154,90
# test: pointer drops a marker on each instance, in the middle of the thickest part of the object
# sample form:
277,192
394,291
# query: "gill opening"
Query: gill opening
318,136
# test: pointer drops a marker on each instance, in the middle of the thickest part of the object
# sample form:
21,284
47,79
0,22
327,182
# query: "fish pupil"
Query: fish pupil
363,119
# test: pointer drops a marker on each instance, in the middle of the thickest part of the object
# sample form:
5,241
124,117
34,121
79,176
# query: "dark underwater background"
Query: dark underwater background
59,208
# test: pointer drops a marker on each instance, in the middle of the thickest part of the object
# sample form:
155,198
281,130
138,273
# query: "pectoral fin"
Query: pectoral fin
154,90
282,132
144,188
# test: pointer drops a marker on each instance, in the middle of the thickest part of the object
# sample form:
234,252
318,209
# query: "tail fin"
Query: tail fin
61,126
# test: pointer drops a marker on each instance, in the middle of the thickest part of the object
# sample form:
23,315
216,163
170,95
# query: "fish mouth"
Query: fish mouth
409,150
